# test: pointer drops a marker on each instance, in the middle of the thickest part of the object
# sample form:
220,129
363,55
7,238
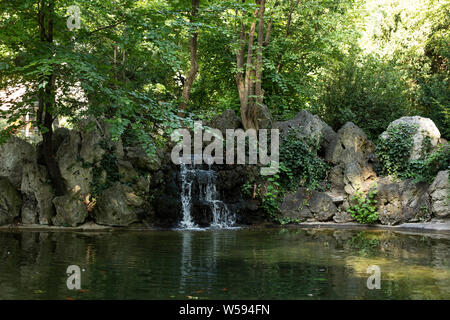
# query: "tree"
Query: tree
193,47
249,73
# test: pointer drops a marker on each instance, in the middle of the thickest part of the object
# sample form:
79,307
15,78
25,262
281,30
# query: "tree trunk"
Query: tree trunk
46,98
249,77
193,47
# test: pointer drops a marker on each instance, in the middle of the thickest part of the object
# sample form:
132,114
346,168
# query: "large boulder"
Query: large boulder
141,160
118,205
349,145
264,117
96,139
404,201
440,195
70,210
77,175
308,126
37,194
294,206
353,155
10,202
308,205
227,120
14,153
425,128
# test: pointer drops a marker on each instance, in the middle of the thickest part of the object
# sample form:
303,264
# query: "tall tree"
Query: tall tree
249,74
46,97
193,47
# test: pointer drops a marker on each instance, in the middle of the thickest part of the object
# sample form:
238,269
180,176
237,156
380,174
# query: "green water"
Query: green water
229,264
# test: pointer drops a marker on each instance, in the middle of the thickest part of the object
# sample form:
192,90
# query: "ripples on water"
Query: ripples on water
228,264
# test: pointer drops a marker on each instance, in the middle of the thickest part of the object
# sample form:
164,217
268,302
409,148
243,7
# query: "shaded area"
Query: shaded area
229,264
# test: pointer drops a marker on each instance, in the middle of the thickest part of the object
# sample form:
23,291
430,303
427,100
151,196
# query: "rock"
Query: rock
10,202
440,195
349,145
294,206
336,178
337,197
91,138
118,206
59,135
37,195
71,211
343,217
304,205
127,172
94,133
307,126
425,127
227,120
75,173
353,155
14,154
358,177
264,118
140,159
322,206
404,201
143,183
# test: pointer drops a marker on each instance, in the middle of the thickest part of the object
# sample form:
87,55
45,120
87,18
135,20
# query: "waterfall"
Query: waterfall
204,182
186,198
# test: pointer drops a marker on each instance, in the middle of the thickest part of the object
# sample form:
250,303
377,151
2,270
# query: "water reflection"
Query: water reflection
226,264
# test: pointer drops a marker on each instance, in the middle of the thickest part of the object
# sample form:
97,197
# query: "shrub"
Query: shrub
426,168
364,208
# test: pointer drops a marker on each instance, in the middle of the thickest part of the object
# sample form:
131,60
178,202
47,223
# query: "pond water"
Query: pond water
228,264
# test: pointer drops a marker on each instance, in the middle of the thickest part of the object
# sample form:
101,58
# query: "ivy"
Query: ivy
394,149
301,164
394,152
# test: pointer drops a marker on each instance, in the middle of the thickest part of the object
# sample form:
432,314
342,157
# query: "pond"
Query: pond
273,263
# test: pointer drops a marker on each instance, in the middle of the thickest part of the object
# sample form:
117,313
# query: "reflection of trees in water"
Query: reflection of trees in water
249,263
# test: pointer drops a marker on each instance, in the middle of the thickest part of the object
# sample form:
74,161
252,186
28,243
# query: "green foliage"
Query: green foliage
271,198
108,166
299,166
364,244
394,150
300,163
394,153
364,208
426,168
366,91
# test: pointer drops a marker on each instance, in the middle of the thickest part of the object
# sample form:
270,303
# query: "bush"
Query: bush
364,208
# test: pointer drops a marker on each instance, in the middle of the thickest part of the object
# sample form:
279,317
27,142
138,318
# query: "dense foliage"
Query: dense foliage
394,151
365,61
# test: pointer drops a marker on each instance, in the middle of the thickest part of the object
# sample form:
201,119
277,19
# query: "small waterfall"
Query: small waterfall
186,198
204,182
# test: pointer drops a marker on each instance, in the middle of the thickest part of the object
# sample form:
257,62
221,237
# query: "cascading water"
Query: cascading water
186,198
205,181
